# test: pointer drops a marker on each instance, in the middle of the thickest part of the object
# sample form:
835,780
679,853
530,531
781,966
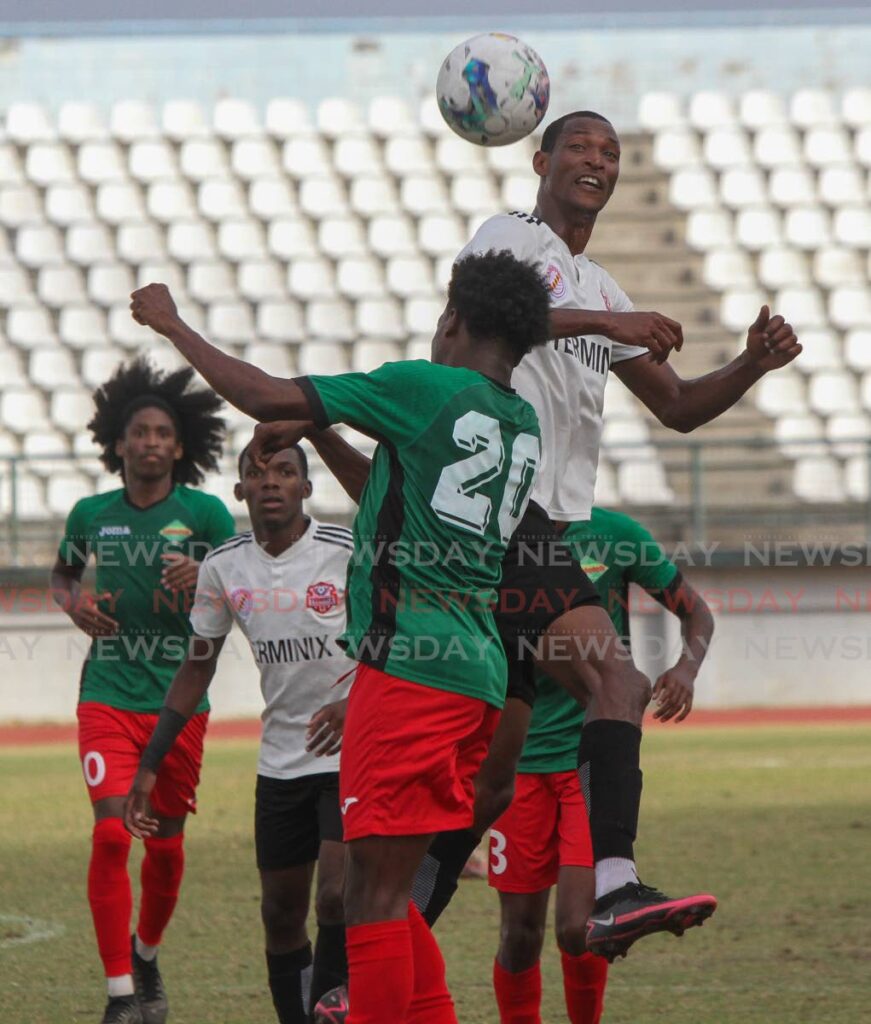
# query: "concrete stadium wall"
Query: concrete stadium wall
785,637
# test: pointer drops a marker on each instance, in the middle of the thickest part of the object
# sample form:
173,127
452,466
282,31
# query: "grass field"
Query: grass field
776,822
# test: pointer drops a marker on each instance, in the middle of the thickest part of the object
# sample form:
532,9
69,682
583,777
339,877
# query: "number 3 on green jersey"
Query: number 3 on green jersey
458,498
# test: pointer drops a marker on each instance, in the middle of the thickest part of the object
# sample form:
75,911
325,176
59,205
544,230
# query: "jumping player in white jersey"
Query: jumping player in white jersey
284,585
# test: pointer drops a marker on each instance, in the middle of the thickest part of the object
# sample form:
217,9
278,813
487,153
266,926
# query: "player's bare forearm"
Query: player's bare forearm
696,626
348,465
568,323
193,678
654,331
66,584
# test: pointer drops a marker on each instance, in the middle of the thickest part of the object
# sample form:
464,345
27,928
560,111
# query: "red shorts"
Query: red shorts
545,828
410,754
111,742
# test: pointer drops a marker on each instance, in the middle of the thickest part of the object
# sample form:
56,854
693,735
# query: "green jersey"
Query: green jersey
132,669
449,481
614,551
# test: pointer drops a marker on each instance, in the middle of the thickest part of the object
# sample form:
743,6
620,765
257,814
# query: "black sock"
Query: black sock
608,759
331,962
289,982
438,875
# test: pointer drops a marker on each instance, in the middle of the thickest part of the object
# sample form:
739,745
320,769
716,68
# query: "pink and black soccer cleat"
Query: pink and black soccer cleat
634,910
332,1007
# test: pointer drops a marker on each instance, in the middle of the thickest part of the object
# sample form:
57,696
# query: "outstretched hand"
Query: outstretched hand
271,438
673,694
771,341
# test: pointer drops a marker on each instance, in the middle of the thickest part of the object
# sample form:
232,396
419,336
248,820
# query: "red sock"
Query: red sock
110,896
584,979
431,1002
380,972
518,996
162,870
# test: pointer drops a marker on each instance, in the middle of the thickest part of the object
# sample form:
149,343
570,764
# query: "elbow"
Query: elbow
673,418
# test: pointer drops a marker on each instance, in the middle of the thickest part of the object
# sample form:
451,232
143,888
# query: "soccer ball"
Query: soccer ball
493,89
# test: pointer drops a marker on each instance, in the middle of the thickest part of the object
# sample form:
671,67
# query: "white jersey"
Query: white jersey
291,609
564,380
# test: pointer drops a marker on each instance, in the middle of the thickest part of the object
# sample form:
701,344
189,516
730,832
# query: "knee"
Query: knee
571,937
329,903
625,692
283,921
112,838
520,944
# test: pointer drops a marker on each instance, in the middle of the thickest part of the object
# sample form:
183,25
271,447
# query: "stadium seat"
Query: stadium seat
757,227
739,307
658,110
519,191
79,122
11,169
606,494
165,358
759,108
339,237
792,186
709,110
357,155
280,321
252,159
47,452
727,147
781,266
60,286
850,306
444,268
38,245
329,319
291,238
211,281
311,279
29,496
221,199
441,235
513,159
728,268
323,357
286,118
89,243
328,496
372,196
422,314
676,148
643,482
692,188
306,156
50,163
856,106
183,119
242,239
454,156
709,229
27,123
271,198
49,367
64,489
19,204
71,408
392,236
820,349
807,227
410,275
101,162
204,158
368,355
422,193
191,240
832,392
852,226
811,107
22,409
123,329
139,243
68,204
118,203
405,155
804,306
841,185
865,391
431,120
781,394
109,283
168,201
360,277
777,146
390,115
857,349
742,186
474,195
230,322
98,364
827,145
849,434
419,348
132,119
163,271
14,284
29,326
322,197
274,359
856,475
833,266
82,326
800,437
818,480
337,116
235,119
380,318
152,160
627,439
261,279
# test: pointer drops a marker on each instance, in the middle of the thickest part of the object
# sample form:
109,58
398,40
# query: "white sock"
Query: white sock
120,985
612,872
143,951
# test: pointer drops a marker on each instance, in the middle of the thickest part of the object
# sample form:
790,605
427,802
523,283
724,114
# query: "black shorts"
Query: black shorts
541,579
292,816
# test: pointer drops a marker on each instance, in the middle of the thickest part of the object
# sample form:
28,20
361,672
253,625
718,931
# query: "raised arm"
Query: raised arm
256,393
673,691
684,405
652,331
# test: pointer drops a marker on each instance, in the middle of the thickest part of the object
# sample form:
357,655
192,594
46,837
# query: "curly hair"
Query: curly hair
193,411
555,128
500,296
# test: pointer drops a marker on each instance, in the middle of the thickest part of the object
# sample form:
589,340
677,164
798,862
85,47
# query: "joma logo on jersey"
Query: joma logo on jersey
176,531
321,597
554,280
115,531
594,569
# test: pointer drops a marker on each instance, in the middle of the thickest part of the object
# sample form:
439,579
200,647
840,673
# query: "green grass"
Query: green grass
776,822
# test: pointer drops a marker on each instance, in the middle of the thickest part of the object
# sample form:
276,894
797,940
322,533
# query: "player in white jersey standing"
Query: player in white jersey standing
284,585
594,328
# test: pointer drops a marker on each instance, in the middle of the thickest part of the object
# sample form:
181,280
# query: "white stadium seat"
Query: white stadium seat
101,162
692,187
329,319
360,277
311,279
431,120
513,159
19,204
71,408
323,357
242,239
60,286
709,229
235,119
82,326
89,243
171,200
441,235
337,116
410,275
79,122
139,243
287,117
230,321
818,480
841,185
849,434
777,146
852,226
856,475
742,186
68,204
191,240
328,496
739,307
11,169
758,227
728,268
422,314
781,394
833,392
50,367
164,272
46,451
820,349
857,349
409,154
152,160
392,236
709,109
390,115
850,306
833,266
280,321
372,196
29,122
22,409
273,359
865,391
252,159
306,156
519,191
123,329
627,439
29,326
606,493
291,238
342,236
368,355
473,195
221,199
183,119
50,163
675,148
807,227
454,156
727,147
800,436
37,245
120,202
658,110
856,106
355,156
261,279
825,146
424,193
132,119
271,198
380,318
761,107
14,284
200,159
419,348
781,266
643,482
792,186
64,489
110,283
811,107
803,305
211,281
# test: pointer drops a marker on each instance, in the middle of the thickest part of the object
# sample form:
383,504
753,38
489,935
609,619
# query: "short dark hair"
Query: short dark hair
555,128
193,411
300,454
499,296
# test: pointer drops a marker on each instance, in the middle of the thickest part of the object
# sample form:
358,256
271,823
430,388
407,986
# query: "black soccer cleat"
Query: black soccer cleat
634,910
122,1010
150,993
332,1007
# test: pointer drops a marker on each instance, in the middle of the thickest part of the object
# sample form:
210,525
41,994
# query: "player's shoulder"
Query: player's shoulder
94,504
512,230
233,547
605,278
332,536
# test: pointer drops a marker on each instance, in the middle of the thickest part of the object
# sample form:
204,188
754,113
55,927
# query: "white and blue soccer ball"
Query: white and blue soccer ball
493,89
